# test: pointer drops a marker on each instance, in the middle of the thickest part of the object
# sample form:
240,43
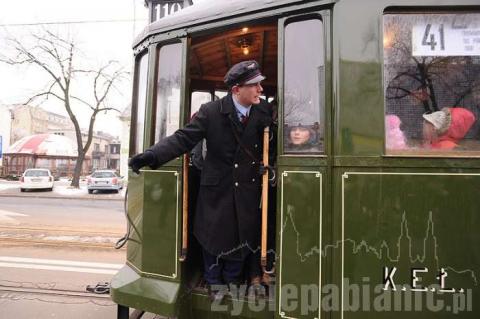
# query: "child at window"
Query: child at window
445,128
395,139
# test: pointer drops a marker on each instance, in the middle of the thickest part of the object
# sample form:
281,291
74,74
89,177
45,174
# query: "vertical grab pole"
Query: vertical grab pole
266,139
183,255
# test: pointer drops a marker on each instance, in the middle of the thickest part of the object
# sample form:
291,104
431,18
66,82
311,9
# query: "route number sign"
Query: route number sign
164,8
447,37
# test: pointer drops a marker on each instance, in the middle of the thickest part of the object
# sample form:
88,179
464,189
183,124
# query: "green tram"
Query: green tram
376,210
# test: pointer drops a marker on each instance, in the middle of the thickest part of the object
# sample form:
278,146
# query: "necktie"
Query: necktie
244,119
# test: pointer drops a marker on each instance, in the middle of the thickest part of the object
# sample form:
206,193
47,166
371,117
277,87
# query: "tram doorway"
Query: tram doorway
210,57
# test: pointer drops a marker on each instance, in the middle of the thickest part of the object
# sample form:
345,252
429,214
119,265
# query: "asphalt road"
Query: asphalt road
51,249
80,214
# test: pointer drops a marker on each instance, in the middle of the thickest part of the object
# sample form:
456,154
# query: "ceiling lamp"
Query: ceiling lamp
245,46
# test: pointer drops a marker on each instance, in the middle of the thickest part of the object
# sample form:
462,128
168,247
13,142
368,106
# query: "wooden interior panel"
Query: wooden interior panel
212,56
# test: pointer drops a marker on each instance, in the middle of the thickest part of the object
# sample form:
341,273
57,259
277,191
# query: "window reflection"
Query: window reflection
304,87
142,69
167,118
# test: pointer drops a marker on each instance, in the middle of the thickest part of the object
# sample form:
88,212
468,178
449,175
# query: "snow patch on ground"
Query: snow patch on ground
9,186
83,239
70,191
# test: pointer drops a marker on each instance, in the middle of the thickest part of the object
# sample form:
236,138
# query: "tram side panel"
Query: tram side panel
135,214
300,267
150,280
407,243
405,228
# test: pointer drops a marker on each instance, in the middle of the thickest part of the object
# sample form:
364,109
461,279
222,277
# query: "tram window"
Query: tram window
199,98
432,83
304,87
220,94
142,70
167,114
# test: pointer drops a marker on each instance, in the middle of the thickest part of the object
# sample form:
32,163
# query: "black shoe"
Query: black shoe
256,289
217,293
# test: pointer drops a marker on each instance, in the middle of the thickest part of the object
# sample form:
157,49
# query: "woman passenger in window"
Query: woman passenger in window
445,128
302,138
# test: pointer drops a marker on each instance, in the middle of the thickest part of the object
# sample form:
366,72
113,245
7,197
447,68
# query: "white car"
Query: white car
104,180
36,178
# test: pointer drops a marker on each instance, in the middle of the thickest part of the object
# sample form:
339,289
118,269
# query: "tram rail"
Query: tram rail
58,237
60,230
54,292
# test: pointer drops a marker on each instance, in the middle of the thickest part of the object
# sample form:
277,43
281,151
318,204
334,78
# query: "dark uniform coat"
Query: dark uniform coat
228,218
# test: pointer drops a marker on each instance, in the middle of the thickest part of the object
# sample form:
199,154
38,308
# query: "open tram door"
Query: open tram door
175,73
151,279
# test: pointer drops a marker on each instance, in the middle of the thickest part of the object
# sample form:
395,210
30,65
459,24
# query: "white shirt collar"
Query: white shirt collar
243,110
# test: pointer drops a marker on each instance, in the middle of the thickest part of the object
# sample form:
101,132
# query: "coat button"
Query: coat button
253,163
253,179
256,145
236,165
236,184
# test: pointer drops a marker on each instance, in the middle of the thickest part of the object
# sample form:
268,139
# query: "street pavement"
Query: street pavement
41,288
61,189
52,249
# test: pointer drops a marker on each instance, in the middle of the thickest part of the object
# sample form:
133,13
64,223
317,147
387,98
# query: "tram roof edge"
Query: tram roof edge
207,11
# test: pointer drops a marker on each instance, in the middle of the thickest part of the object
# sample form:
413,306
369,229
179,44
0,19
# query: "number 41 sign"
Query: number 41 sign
445,39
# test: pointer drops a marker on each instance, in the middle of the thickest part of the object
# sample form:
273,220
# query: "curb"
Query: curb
62,197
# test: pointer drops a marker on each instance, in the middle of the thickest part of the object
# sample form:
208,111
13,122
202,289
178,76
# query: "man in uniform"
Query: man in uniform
227,222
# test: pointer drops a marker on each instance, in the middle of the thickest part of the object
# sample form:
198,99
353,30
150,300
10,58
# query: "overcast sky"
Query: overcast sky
99,42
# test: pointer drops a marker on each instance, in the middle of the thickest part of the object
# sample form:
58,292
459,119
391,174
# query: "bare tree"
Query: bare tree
296,108
58,59
424,78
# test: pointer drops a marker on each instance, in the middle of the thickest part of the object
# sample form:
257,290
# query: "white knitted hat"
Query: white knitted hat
441,120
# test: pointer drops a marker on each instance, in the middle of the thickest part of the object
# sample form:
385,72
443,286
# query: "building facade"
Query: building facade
113,156
57,153
101,150
30,120
105,149
125,140
5,131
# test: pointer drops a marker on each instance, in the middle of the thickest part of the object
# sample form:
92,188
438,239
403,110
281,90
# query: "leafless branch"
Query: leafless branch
57,57
82,101
46,94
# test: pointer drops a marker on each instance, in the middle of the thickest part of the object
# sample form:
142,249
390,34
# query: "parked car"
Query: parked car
36,178
104,180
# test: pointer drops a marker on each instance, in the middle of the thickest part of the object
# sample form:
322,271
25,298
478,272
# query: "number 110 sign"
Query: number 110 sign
445,39
163,8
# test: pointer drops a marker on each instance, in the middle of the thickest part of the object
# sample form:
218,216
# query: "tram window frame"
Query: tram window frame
222,94
137,139
398,137
317,149
154,129
194,110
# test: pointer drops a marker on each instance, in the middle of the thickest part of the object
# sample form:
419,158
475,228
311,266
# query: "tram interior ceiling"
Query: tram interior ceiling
212,56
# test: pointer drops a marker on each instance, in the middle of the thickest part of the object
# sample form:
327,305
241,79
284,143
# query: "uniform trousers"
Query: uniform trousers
218,271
